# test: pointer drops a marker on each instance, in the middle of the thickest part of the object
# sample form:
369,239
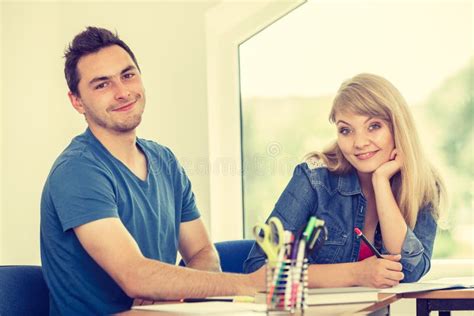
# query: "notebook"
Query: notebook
439,284
341,295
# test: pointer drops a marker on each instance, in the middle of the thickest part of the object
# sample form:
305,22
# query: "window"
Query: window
291,70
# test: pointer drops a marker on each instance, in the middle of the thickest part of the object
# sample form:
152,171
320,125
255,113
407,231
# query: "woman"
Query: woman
374,177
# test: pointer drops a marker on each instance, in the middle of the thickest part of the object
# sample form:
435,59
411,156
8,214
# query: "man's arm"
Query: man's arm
196,248
109,243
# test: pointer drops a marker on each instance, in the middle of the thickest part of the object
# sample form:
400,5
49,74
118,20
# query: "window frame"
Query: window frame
226,31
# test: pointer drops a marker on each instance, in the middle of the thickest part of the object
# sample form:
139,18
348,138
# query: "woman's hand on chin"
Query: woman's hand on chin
386,170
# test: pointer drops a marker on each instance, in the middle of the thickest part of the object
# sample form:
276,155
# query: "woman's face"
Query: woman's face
366,142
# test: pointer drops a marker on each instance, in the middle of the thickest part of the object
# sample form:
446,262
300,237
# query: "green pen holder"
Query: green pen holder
287,287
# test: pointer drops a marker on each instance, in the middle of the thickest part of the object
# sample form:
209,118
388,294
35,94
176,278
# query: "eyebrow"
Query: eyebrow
342,121
103,78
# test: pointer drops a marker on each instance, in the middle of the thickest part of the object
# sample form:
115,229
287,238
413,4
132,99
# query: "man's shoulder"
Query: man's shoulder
79,154
159,151
154,146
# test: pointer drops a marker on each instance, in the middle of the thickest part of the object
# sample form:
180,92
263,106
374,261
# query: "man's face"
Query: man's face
112,96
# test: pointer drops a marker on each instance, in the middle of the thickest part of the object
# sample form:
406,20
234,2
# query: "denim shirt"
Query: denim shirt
339,201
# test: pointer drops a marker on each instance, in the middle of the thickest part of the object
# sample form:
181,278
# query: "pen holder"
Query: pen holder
287,287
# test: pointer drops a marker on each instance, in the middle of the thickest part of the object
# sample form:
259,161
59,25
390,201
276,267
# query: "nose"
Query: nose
122,92
361,140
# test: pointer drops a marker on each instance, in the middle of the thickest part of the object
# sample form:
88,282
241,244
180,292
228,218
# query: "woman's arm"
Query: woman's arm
392,224
418,246
414,246
371,272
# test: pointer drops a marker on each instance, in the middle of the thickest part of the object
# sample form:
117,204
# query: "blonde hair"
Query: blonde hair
417,184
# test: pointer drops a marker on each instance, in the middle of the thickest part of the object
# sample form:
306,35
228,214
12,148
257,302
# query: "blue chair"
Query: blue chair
232,254
23,291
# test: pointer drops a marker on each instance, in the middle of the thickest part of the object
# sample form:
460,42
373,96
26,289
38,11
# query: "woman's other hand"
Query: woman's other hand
389,168
380,273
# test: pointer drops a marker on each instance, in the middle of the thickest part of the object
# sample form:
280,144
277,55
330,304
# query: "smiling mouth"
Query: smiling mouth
125,107
366,155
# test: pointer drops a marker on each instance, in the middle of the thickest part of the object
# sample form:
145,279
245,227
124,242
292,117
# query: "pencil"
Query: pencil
367,242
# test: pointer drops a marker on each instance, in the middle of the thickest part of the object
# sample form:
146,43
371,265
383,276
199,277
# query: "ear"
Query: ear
76,102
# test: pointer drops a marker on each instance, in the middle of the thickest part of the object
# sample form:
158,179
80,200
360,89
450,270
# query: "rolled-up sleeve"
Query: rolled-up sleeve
293,209
417,248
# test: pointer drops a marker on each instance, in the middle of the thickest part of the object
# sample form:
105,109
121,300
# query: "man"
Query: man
115,208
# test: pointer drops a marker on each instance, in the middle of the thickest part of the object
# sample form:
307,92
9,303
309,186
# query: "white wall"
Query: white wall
1,134
38,122
174,41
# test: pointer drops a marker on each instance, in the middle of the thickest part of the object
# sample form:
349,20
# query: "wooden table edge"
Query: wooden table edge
385,299
443,294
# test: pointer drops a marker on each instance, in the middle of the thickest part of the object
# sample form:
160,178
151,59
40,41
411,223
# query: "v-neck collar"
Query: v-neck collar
96,142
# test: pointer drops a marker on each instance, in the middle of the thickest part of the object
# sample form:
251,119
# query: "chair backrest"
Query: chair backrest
232,254
23,291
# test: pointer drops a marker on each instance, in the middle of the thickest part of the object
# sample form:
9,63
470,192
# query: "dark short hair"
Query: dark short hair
87,42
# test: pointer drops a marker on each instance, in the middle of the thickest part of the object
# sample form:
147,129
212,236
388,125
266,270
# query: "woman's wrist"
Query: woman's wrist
355,274
378,179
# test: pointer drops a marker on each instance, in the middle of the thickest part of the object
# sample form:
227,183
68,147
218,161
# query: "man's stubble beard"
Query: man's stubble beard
121,127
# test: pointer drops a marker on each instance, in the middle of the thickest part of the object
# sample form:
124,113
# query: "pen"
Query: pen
295,300
277,271
199,300
234,299
280,266
367,242
298,254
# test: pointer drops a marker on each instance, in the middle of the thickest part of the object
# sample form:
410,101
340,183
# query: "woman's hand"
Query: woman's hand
380,273
389,168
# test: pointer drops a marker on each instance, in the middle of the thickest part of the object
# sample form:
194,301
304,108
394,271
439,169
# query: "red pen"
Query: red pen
367,242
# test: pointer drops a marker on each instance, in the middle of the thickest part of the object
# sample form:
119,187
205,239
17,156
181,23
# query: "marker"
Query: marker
309,228
367,242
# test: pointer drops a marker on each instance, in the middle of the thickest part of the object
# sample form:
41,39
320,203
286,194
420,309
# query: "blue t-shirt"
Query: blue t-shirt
87,183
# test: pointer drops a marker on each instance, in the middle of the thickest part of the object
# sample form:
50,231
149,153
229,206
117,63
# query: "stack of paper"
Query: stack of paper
206,308
342,295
